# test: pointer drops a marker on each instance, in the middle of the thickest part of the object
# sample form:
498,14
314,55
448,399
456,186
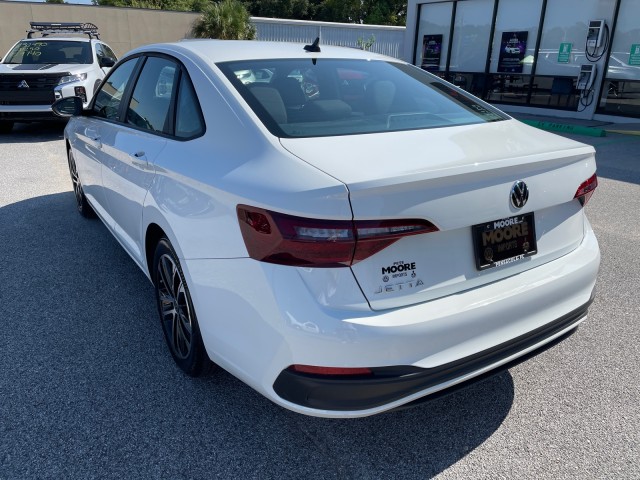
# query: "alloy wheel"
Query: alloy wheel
77,186
174,307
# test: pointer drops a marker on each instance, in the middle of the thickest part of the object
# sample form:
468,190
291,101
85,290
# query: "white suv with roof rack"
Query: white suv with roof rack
56,60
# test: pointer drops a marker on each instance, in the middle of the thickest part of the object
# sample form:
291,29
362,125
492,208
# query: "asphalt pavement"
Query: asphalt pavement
89,390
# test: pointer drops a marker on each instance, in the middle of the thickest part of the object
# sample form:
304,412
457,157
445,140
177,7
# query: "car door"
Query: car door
130,151
96,126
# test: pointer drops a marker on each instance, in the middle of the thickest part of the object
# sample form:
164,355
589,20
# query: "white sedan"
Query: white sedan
347,234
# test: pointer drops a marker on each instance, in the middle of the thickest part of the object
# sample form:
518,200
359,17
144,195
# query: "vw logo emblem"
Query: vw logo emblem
519,194
23,84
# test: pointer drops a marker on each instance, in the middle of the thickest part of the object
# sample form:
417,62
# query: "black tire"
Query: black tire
81,201
177,315
6,126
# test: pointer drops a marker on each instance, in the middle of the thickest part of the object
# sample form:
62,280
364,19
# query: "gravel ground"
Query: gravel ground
88,389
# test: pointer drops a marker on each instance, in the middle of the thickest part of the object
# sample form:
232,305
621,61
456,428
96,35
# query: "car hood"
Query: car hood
374,160
43,67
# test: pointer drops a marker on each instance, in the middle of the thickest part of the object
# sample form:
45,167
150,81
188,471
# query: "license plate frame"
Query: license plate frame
504,241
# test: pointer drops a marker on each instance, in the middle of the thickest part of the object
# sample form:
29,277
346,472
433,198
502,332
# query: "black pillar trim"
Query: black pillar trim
453,22
415,40
543,15
487,65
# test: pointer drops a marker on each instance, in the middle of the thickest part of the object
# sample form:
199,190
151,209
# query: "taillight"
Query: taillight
586,188
289,240
375,235
330,370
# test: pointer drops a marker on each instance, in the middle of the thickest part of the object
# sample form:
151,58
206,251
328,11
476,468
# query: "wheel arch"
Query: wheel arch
154,227
152,236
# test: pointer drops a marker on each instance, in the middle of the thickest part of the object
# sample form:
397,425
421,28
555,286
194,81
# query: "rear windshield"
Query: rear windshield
323,97
45,52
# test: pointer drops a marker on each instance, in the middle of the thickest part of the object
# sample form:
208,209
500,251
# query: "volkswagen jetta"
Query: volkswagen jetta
342,231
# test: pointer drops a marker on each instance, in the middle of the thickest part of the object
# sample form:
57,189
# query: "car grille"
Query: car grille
39,90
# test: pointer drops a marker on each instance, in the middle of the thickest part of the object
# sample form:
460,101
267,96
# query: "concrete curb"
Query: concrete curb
561,127
623,132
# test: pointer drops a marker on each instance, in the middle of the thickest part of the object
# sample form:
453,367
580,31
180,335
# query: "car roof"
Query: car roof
216,51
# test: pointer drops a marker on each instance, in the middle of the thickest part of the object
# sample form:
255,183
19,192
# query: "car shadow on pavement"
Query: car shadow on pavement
35,132
91,390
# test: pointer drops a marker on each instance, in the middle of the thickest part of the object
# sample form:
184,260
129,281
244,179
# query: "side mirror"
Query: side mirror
67,107
106,62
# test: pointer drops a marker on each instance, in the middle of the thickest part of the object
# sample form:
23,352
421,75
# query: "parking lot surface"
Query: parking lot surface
89,390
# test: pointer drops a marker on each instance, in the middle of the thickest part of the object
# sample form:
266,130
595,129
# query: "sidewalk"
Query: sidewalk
617,153
609,127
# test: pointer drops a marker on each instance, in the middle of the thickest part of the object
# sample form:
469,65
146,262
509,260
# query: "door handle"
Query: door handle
94,138
139,159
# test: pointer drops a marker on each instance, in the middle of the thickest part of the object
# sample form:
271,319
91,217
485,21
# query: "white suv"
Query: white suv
39,70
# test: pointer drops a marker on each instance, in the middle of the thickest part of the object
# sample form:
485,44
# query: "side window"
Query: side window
151,99
189,122
109,96
109,53
99,51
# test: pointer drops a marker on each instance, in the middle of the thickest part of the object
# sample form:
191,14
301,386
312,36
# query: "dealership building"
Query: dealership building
573,58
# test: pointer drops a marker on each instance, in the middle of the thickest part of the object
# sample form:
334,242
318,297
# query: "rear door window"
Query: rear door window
189,123
150,104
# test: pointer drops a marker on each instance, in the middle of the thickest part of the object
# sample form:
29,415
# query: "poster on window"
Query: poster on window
431,49
512,50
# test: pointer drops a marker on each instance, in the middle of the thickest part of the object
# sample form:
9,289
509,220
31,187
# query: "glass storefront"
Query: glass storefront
521,17
531,52
621,92
471,35
433,29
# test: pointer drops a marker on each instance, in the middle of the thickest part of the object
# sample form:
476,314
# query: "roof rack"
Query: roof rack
49,28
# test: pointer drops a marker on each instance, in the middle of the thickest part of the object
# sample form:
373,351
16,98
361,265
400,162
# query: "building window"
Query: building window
471,34
434,26
621,89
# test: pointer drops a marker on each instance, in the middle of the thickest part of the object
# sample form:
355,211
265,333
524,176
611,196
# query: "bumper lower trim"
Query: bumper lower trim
28,116
388,384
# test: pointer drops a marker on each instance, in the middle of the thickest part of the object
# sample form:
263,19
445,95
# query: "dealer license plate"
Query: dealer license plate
504,241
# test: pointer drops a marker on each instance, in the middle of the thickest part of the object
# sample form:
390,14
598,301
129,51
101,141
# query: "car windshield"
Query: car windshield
49,51
326,97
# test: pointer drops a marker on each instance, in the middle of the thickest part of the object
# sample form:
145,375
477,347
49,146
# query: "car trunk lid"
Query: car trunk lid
455,178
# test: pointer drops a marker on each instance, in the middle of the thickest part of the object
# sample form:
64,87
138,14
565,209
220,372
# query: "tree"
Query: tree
226,20
178,5
377,12
296,9
366,44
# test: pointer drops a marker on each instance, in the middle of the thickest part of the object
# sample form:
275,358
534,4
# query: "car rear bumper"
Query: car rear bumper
416,351
389,384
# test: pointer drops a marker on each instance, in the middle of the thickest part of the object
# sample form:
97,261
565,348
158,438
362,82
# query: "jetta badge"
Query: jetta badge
23,84
519,194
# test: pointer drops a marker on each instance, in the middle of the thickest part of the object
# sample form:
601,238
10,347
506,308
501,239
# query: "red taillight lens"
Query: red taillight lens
373,236
586,189
330,370
289,240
